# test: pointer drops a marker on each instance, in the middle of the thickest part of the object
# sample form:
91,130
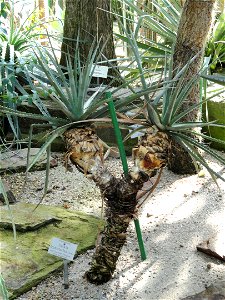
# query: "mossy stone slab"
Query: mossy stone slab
26,262
26,219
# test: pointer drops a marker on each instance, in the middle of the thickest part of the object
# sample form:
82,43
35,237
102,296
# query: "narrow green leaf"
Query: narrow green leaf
217,78
57,132
188,147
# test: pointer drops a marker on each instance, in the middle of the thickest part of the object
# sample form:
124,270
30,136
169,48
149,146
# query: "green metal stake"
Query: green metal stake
125,166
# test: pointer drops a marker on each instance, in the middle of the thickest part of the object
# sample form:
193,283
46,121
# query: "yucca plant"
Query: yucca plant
165,118
153,150
16,37
164,124
154,147
12,92
160,104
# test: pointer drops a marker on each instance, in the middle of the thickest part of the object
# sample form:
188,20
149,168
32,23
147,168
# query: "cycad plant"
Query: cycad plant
68,90
160,104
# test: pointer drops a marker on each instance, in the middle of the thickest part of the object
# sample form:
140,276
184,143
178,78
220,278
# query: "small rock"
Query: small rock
38,189
148,215
201,173
194,192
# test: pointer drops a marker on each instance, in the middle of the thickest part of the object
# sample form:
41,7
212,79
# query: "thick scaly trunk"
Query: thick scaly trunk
120,199
85,151
194,26
88,20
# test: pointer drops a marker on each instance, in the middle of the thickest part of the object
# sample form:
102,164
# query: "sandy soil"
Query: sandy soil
181,213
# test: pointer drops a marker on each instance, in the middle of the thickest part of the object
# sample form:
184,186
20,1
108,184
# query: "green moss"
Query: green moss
25,263
215,111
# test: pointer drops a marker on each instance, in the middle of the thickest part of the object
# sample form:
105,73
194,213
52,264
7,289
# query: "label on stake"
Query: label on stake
63,249
100,71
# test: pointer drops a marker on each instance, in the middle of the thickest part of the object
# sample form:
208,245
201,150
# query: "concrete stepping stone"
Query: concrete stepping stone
16,160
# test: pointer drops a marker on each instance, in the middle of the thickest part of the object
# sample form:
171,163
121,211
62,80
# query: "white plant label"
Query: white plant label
100,71
63,249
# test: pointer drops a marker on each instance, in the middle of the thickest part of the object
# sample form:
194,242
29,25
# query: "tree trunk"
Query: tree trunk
148,7
43,17
89,20
194,26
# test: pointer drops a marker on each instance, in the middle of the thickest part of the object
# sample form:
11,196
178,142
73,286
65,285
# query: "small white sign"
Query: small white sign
63,249
100,71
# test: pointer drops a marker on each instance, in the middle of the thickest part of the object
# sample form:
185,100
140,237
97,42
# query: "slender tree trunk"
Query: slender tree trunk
88,20
43,17
148,7
194,26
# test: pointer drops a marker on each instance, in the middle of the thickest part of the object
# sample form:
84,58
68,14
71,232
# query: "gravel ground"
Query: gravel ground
182,212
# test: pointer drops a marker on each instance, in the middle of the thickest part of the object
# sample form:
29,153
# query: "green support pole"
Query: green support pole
140,239
125,166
